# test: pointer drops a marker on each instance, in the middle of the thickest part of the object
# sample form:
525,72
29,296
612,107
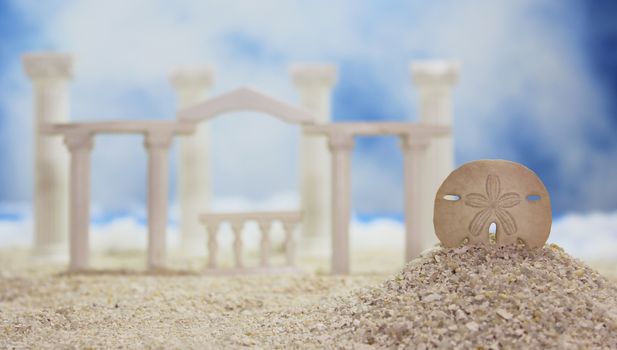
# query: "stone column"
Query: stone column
314,83
50,74
341,146
79,145
192,85
434,81
157,144
414,162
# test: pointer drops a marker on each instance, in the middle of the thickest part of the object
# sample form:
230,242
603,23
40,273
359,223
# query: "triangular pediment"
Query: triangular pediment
245,99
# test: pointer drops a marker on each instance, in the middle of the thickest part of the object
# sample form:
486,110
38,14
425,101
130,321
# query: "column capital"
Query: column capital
313,75
192,77
38,66
76,141
158,139
434,72
340,142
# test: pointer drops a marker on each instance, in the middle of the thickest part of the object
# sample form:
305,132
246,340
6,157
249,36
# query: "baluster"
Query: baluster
212,229
289,227
265,227
237,227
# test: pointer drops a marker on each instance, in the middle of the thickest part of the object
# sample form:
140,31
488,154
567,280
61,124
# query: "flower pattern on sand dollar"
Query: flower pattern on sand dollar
493,205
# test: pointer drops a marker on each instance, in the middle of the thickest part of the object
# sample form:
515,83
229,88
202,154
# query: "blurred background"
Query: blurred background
538,86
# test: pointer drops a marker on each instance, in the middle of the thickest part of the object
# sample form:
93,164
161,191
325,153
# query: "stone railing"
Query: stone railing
290,221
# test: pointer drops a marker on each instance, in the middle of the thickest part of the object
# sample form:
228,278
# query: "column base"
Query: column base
51,253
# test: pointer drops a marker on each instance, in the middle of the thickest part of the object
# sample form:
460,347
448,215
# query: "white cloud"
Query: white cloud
15,233
512,57
591,237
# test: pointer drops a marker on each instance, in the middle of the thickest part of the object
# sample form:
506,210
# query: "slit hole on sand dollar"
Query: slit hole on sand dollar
492,229
533,198
451,197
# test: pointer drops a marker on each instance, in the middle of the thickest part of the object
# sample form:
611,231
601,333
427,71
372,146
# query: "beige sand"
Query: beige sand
496,300
41,307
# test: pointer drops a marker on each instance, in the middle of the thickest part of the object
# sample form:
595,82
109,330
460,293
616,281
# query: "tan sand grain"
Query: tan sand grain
470,297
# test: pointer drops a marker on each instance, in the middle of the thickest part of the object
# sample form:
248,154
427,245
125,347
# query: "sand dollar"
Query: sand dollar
485,192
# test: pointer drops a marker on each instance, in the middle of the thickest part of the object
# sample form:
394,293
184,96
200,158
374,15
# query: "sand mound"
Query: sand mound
471,297
479,297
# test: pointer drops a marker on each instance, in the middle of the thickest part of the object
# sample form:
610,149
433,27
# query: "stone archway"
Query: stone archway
249,100
415,139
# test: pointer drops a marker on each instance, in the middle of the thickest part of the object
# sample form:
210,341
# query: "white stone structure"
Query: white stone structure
192,84
415,138
50,74
290,221
325,153
434,81
157,139
251,100
315,83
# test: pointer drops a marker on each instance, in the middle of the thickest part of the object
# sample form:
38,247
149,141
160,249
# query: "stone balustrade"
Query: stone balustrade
290,222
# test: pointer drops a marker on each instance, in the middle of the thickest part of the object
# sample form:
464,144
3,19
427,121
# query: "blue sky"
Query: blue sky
538,86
